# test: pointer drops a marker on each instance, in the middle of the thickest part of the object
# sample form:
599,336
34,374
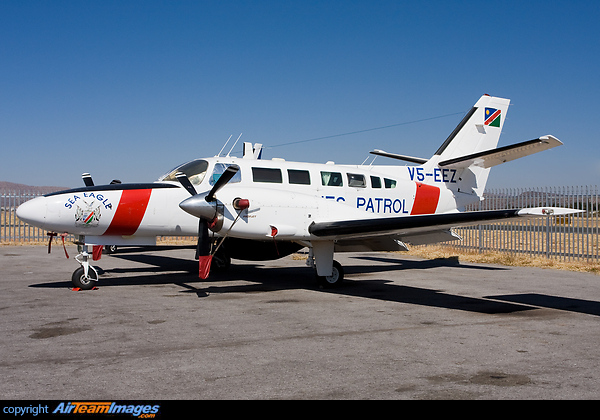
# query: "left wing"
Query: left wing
423,225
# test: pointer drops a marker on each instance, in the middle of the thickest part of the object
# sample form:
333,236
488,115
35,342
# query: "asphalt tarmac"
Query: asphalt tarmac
400,328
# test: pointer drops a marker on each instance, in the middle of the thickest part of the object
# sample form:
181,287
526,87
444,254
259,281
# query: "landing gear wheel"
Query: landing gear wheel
79,280
336,278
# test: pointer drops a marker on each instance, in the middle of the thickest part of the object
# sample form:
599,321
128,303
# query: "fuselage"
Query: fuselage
285,198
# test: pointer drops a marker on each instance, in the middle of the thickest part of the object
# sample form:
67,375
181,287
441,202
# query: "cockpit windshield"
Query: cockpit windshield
194,170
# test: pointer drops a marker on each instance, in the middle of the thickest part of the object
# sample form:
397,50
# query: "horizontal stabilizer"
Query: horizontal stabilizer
411,159
548,211
494,157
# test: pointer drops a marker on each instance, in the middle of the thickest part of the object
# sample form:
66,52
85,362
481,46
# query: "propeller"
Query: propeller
185,181
87,180
203,206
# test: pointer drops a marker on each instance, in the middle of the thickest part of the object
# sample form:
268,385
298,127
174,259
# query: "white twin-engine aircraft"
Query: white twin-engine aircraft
253,209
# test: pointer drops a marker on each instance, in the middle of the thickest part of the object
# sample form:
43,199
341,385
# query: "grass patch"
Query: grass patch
503,258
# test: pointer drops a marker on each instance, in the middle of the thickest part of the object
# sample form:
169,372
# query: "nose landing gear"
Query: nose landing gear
86,276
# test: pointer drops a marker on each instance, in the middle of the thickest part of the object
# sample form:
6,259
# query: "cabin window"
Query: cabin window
331,179
270,175
356,180
298,177
375,182
218,171
389,183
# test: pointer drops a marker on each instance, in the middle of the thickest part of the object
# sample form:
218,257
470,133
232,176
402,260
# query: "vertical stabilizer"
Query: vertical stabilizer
478,131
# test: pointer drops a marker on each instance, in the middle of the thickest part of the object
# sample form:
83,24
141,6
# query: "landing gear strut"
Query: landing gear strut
86,276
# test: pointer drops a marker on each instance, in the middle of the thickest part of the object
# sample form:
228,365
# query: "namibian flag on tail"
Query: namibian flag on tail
492,117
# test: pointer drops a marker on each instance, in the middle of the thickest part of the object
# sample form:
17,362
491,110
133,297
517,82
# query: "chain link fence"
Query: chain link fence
569,238
566,238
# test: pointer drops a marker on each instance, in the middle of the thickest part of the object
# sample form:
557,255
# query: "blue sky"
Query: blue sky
129,89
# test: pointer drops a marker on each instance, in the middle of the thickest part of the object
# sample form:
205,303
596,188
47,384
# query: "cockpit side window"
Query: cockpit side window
194,170
218,171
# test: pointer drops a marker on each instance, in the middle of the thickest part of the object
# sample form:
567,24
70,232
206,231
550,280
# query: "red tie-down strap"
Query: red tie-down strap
96,252
62,236
204,266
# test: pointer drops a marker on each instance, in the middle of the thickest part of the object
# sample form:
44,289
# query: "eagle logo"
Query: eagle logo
87,215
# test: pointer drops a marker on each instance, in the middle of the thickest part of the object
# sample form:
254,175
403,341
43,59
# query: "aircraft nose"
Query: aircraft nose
33,212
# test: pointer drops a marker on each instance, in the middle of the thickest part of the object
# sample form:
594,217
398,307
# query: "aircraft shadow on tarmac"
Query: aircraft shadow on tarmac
164,270
393,264
583,306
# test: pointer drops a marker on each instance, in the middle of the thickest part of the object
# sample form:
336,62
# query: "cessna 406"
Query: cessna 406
254,209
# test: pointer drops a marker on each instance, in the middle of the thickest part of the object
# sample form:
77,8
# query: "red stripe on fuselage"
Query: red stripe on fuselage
426,199
130,212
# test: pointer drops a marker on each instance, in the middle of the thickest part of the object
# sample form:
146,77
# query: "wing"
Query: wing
424,228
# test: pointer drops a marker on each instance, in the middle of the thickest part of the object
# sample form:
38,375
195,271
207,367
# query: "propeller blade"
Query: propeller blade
87,180
185,181
222,181
203,246
203,249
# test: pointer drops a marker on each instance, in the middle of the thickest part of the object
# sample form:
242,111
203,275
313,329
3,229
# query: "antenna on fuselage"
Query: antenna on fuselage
234,144
367,158
219,154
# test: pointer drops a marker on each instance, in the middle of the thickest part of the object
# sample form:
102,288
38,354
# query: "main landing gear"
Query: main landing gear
320,257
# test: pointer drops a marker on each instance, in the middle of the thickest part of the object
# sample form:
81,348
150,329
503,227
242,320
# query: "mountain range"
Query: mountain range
11,186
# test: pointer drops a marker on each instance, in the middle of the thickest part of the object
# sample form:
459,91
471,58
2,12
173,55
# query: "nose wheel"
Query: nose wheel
83,281
86,276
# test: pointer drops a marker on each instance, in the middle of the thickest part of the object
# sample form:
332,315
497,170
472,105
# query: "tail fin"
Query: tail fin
463,161
478,131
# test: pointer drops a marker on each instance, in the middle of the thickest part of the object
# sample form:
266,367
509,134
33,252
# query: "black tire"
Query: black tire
78,279
336,278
